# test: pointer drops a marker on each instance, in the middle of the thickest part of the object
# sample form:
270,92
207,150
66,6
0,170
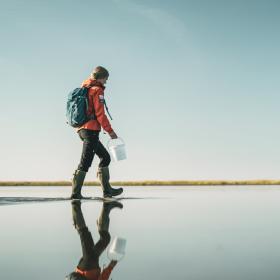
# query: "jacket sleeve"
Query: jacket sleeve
105,274
98,102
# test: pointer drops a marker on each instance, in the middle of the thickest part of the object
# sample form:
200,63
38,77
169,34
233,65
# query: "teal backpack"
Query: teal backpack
77,106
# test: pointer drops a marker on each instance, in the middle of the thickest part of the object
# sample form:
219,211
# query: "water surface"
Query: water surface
223,232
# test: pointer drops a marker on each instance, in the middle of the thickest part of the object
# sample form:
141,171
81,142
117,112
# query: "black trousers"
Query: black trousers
92,146
91,251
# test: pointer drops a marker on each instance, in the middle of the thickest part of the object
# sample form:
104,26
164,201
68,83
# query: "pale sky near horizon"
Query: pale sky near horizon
193,88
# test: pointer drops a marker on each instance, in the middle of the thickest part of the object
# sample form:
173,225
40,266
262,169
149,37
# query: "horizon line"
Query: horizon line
148,183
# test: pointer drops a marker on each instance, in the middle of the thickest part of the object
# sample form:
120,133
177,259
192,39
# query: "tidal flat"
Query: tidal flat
176,232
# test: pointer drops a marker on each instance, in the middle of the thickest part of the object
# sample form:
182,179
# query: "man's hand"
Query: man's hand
113,135
113,263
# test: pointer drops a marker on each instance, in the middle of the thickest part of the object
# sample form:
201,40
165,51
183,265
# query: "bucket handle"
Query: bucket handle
110,140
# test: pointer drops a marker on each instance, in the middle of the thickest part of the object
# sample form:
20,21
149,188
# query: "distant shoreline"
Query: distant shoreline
146,183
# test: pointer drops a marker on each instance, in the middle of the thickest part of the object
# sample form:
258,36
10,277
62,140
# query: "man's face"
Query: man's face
103,81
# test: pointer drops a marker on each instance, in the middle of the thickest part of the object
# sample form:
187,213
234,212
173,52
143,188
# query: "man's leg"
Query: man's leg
103,226
87,243
90,142
103,172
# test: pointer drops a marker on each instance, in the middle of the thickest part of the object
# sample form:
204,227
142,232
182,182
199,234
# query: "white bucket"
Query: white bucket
117,249
117,150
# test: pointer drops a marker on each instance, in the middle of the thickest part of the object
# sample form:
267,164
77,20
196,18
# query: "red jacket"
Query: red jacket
96,273
96,102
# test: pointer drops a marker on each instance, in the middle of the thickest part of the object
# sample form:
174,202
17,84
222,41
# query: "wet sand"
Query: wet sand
172,233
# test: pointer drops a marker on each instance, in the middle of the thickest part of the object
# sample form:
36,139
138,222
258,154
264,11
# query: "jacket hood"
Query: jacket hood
92,83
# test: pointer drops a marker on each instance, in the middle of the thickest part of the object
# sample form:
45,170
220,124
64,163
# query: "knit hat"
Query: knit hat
75,276
99,73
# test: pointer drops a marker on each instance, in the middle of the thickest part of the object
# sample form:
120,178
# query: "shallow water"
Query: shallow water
224,232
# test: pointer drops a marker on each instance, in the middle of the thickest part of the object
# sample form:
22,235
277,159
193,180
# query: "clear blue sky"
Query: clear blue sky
194,86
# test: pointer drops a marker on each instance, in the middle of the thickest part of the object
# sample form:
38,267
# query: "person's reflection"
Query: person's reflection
88,267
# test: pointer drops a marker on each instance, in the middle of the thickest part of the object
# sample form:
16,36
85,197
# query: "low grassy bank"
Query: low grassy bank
146,183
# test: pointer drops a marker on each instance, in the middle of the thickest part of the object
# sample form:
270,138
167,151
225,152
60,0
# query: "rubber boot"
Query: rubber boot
104,220
77,214
77,184
104,176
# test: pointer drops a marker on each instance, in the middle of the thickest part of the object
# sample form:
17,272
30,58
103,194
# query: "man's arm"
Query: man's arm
98,101
105,274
